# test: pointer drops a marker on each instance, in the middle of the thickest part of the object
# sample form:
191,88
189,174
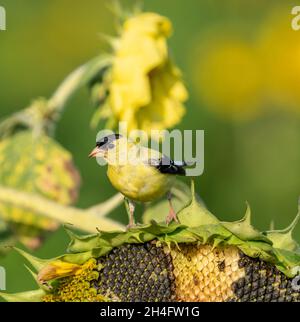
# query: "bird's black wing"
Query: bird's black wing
168,166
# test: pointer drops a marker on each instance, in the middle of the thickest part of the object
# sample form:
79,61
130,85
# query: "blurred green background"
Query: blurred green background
241,64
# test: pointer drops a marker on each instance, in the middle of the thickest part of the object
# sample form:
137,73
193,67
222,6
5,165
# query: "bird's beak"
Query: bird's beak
94,153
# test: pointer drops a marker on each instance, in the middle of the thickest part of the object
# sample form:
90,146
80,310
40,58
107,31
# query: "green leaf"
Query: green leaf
180,236
207,233
243,228
82,243
30,296
283,239
81,258
195,214
34,275
157,229
288,262
181,197
36,262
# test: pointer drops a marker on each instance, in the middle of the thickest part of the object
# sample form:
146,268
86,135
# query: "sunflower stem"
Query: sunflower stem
42,114
77,79
84,219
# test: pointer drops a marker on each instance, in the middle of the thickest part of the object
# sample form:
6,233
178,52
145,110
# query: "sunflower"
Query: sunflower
281,61
228,79
144,87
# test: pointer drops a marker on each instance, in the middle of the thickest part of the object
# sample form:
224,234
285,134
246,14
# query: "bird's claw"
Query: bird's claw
130,226
171,216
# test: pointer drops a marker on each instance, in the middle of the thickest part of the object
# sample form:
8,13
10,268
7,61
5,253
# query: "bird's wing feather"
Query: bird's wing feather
168,166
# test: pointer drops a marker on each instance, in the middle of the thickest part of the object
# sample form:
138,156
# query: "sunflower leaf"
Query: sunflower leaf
30,296
243,228
195,214
283,239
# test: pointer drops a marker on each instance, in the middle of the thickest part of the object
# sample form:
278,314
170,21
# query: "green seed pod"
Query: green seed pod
36,165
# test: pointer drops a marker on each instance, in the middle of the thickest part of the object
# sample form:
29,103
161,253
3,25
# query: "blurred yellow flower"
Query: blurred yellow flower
228,78
164,108
145,88
240,80
280,53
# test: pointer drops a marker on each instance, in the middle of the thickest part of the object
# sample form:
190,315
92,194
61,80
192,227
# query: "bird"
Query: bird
139,173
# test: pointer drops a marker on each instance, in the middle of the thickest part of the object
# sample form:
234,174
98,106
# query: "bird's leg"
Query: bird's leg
172,214
130,206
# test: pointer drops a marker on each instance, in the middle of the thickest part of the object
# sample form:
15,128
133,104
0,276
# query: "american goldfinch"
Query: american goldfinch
139,173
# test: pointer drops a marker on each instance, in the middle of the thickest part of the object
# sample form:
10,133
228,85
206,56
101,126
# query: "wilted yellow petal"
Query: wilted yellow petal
57,269
149,23
146,88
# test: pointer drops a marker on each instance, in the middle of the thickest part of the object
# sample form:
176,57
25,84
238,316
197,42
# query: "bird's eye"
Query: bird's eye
111,146
102,142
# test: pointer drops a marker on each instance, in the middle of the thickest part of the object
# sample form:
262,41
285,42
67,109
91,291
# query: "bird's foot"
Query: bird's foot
129,226
130,206
171,216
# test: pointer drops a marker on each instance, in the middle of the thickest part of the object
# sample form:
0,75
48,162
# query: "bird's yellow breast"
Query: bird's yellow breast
139,182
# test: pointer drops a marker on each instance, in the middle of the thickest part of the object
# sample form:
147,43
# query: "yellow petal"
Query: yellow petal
146,88
57,269
150,23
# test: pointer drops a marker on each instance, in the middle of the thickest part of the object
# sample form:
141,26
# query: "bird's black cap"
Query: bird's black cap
108,139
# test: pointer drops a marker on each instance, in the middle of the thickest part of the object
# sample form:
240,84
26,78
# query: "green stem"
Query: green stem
42,114
107,206
87,220
77,79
